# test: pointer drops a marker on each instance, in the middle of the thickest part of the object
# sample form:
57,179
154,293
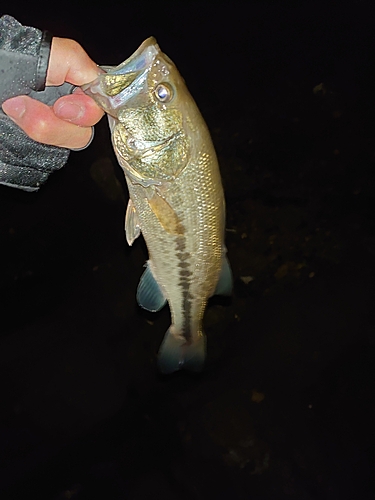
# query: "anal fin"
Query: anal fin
149,293
225,284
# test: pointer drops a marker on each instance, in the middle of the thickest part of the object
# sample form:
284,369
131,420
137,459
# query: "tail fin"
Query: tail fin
175,353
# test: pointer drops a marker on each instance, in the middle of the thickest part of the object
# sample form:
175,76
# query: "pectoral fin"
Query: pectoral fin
225,283
132,227
166,215
149,294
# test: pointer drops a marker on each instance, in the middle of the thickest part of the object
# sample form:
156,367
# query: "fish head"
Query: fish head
150,112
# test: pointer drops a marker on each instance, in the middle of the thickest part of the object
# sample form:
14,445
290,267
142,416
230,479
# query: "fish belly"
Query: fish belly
186,265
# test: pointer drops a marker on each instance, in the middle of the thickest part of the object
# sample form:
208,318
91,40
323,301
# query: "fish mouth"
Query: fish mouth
117,84
140,60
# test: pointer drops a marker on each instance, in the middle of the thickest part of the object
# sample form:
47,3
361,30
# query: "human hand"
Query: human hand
68,122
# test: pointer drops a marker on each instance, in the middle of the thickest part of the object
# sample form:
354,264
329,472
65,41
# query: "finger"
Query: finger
39,122
78,108
70,63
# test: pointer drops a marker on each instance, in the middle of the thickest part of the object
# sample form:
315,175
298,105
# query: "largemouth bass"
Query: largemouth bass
176,197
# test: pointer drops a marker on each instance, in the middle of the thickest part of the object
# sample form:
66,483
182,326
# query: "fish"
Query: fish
176,197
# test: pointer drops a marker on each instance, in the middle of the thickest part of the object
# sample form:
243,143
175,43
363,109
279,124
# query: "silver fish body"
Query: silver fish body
176,196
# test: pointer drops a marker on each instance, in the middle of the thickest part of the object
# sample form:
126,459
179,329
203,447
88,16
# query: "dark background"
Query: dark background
285,407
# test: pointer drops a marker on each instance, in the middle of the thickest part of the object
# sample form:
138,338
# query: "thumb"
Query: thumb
78,108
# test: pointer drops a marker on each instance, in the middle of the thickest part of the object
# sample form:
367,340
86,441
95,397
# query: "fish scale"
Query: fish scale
176,195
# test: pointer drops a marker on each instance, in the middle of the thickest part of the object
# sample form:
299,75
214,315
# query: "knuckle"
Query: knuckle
73,46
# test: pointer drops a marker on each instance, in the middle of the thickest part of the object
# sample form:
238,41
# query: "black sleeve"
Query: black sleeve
24,56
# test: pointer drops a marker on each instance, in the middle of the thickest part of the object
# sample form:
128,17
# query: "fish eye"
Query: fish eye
164,92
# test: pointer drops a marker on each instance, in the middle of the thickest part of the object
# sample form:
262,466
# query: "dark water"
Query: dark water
285,408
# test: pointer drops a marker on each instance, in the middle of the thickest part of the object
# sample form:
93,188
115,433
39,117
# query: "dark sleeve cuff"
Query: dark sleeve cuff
44,55
24,54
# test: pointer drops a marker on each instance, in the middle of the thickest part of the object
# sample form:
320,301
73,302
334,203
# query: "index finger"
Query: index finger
70,63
